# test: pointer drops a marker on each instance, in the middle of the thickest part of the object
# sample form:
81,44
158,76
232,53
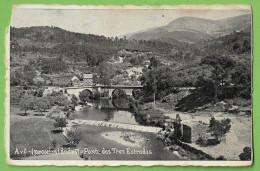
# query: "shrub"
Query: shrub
219,128
55,112
202,141
60,122
246,154
74,100
73,137
16,95
221,158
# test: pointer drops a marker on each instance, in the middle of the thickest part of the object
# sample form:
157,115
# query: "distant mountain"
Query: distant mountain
191,29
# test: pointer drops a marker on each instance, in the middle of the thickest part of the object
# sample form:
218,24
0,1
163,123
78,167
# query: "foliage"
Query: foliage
39,92
22,76
41,104
222,67
246,154
84,96
26,103
55,112
57,98
229,78
73,137
15,95
219,128
62,47
60,122
160,80
55,65
103,72
74,100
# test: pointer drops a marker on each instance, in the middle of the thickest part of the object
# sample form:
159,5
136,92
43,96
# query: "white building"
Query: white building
88,79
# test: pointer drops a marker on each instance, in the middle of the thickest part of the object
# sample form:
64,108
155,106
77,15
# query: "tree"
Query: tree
246,154
219,128
60,123
222,67
26,103
73,137
84,96
74,100
39,92
28,74
103,72
241,78
158,82
41,104
154,62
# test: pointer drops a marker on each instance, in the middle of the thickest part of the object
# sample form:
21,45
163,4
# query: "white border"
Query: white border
105,162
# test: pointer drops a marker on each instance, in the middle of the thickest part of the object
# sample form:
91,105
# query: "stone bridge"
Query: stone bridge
128,89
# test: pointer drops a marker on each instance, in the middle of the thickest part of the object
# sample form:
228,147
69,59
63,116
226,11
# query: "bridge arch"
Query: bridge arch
88,92
135,92
120,92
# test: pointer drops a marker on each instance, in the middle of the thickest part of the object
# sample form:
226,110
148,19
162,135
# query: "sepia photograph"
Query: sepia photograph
128,85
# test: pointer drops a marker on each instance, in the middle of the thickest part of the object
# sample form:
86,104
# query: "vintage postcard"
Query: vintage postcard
128,85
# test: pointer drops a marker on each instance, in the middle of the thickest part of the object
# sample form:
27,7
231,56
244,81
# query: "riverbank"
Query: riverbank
33,131
125,138
93,140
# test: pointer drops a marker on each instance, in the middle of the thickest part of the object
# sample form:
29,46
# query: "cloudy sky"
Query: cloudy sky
113,22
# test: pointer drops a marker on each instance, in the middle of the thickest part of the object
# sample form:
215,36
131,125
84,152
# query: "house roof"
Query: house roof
88,76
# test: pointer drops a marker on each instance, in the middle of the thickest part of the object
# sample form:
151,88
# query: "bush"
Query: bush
221,158
84,96
60,122
55,112
219,128
16,95
74,100
201,141
246,154
73,137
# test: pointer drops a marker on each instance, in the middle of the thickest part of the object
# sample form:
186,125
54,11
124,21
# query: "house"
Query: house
75,81
88,79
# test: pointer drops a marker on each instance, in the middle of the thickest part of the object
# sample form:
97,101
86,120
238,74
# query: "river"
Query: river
106,110
118,112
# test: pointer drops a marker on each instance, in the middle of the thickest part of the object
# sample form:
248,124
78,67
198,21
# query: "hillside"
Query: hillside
52,51
191,29
77,47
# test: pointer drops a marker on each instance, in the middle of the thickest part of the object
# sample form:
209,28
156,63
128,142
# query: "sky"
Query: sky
113,22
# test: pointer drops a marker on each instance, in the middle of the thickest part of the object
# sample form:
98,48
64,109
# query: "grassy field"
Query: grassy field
32,131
